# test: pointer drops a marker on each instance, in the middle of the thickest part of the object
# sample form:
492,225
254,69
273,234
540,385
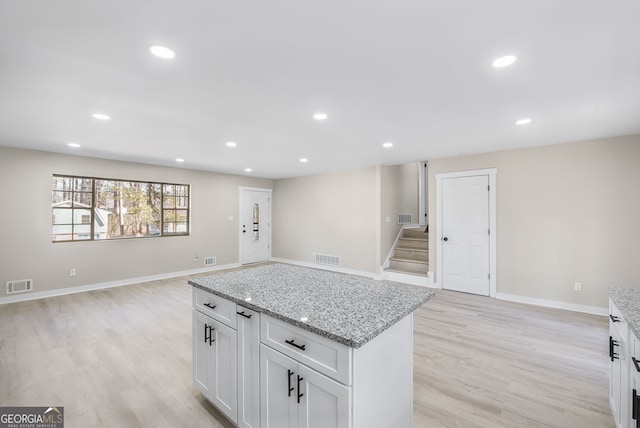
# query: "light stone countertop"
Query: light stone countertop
628,301
348,309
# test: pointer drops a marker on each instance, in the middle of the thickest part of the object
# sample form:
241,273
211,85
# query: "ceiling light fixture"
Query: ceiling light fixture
179,160
101,116
248,170
387,145
231,144
304,160
504,61
74,145
162,52
320,116
523,121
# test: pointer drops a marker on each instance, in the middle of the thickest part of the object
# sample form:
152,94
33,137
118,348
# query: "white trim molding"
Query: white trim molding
110,284
594,310
491,173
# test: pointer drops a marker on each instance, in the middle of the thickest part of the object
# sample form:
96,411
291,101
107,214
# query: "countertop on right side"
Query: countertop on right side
628,301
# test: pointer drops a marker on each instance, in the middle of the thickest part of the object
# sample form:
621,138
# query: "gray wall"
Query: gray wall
334,214
27,250
565,213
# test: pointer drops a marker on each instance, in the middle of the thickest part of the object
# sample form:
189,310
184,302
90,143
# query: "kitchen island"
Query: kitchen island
286,346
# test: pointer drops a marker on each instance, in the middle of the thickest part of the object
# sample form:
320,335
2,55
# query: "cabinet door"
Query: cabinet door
616,352
224,380
634,381
324,402
202,353
278,399
248,323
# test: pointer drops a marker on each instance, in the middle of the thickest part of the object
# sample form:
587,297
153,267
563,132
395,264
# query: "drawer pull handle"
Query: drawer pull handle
292,343
614,318
636,363
612,352
299,393
209,305
289,372
208,336
244,315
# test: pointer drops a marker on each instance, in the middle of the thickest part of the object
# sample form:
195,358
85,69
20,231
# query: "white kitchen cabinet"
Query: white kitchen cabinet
325,403
248,323
202,353
215,362
634,381
619,391
295,396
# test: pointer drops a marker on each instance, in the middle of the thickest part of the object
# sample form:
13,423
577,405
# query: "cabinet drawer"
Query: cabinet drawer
324,355
216,307
616,320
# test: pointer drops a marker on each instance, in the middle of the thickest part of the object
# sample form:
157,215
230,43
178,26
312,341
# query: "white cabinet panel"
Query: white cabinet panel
278,399
225,378
295,396
248,323
325,403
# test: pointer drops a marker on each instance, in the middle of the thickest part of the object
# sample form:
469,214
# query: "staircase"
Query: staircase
411,253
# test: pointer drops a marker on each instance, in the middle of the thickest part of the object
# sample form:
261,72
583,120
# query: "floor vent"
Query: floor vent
19,286
323,259
405,219
209,261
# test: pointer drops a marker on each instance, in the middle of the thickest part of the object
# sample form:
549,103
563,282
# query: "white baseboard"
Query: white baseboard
595,310
329,268
573,307
110,284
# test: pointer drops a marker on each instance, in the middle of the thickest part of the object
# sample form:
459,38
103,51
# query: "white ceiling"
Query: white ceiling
415,72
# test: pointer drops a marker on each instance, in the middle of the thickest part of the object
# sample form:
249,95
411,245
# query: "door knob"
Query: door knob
445,239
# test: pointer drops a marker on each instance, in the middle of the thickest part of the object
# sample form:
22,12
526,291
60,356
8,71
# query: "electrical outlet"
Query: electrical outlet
72,272
577,286
195,258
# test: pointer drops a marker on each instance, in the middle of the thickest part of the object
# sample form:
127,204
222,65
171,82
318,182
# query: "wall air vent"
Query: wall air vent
19,286
405,219
324,259
209,261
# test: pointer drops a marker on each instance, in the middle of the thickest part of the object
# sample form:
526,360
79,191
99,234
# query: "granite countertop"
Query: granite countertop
348,309
628,301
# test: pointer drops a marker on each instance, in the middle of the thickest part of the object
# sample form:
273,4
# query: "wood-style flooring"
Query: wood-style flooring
121,357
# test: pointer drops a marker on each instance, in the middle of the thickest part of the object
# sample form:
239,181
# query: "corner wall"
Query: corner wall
334,214
27,250
565,213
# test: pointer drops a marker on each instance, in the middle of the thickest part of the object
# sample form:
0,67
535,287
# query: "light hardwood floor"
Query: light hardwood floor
122,358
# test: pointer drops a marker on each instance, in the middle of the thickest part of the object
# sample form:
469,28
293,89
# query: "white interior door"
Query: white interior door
465,234
255,225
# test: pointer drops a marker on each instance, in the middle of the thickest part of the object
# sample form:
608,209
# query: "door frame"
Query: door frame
252,189
491,173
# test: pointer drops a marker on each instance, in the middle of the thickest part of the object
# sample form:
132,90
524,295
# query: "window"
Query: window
97,208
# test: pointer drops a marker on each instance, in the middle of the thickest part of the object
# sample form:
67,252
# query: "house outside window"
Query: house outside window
86,208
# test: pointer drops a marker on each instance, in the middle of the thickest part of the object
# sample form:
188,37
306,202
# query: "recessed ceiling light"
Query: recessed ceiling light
387,145
101,116
248,170
504,61
231,144
320,116
304,160
523,121
162,52
179,160
74,145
